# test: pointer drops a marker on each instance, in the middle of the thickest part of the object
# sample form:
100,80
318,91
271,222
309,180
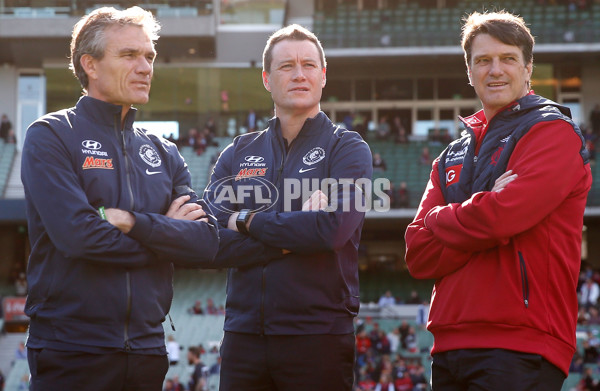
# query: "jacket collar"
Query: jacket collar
312,126
104,113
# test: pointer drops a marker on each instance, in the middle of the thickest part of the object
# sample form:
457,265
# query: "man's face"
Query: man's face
124,74
296,78
498,73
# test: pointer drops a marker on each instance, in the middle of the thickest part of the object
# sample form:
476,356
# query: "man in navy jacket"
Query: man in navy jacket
291,206
107,219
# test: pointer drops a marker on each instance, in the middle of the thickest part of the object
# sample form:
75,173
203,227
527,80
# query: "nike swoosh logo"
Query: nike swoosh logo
148,172
302,170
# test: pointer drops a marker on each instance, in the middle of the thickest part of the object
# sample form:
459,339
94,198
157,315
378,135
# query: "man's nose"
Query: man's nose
496,67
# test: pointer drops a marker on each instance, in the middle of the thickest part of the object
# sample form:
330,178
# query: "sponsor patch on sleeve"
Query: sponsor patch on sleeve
453,174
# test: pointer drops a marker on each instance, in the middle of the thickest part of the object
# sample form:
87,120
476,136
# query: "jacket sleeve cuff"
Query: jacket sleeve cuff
257,225
142,228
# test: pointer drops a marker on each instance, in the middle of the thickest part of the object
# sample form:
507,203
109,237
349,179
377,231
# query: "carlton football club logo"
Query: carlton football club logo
313,156
150,156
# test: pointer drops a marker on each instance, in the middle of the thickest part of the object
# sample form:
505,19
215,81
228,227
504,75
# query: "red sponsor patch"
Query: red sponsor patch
250,172
94,162
453,174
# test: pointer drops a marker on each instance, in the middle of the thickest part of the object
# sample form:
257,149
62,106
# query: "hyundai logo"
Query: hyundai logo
254,159
91,144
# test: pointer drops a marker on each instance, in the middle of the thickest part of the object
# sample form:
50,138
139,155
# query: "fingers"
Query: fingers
503,180
181,211
317,201
176,204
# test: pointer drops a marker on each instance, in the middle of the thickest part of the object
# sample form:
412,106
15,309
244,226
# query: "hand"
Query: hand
179,210
231,222
121,219
503,180
317,201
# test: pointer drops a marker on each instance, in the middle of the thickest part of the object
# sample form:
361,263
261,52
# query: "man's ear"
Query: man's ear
529,68
265,77
324,78
88,63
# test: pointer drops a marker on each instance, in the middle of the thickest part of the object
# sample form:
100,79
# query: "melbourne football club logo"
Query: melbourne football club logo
150,156
313,156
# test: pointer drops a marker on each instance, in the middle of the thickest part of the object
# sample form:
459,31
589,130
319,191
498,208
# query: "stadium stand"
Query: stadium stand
410,24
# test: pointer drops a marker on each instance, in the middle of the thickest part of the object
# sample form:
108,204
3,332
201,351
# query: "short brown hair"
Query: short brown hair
88,34
504,26
293,32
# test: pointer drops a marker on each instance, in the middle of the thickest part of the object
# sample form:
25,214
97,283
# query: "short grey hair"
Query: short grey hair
89,34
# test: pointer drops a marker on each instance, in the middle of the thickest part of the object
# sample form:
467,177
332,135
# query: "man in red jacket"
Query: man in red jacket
499,226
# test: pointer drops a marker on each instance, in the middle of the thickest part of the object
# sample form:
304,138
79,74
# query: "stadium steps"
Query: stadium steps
14,187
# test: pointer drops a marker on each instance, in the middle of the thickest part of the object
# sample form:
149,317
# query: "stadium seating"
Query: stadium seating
409,24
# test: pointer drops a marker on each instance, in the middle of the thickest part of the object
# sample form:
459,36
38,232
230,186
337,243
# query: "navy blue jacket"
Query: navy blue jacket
314,289
91,287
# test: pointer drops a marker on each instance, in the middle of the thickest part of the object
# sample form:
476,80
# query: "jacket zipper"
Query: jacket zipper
263,281
131,203
524,281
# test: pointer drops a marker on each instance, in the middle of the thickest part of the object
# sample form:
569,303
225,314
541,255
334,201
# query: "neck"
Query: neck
291,123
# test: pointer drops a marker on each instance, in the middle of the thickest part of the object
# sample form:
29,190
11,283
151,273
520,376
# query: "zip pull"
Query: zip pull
171,320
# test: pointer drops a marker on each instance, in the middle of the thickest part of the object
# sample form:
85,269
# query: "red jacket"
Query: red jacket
506,263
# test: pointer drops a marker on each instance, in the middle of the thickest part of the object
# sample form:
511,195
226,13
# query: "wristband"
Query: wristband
242,220
102,213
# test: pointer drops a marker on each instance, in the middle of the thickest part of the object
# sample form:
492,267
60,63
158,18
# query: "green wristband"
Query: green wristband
102,213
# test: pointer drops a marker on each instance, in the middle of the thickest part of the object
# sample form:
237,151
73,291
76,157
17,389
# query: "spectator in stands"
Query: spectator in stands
595,119
399,131
422,314
191,138
577,364
5,128
411,341
590,353
417,376
403,329
387,299
588,382
594,316
402,196
211,309
21,285
414,298
196,309
100,280
173,349
383,129
363,344
470,233
198,378
394,338
21,351
385,383
251,121
169,385
364,380
589,294
275,296
349,121
379,164
590,142
425,157
177,385
215,369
